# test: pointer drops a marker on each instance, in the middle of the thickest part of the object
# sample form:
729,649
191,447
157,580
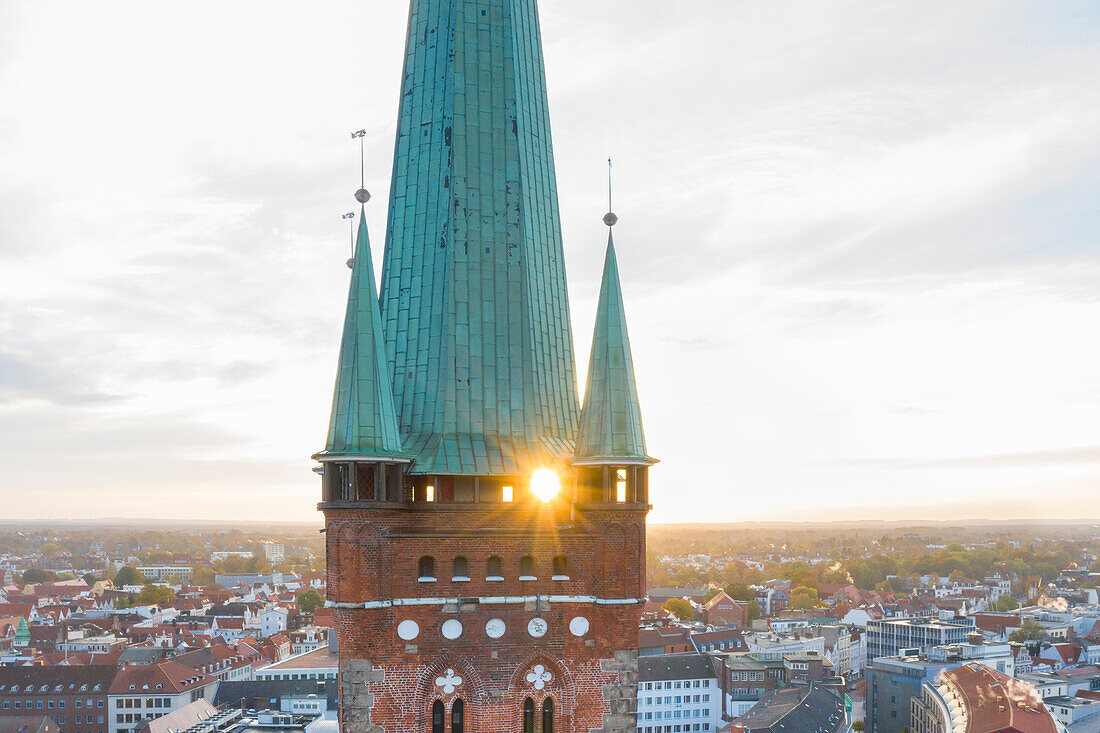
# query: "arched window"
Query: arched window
437,716
427,567
560,567
528,716
457,716
461,567
548,716
526,567
494,568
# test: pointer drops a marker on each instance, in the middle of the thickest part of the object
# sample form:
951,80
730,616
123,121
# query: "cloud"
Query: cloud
844,231
21,380
1086,455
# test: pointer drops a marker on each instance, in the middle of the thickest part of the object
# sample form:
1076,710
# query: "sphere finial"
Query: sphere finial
362,195
351,263
610,219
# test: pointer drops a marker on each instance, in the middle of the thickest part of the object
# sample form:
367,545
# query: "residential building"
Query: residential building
721,610
1046,684
678,692
142,693
973,698
171,574
1075,713
892,684
219,661
273,620
888,637
77,643
308,638
274,552
232,580
745,678
717,640
75,697
811,707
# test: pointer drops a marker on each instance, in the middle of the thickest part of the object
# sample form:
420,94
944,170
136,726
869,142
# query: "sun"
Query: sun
545,484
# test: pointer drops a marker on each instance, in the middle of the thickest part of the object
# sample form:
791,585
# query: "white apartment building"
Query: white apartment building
275,552
678,693
171,574
142,693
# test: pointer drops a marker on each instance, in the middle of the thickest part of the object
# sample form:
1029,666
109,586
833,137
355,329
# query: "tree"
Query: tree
203,577
1006,603
754,610
739,592
679,608
712,593
857,726
89,579
1030,631
155,595
34,575
51,548
126,575
803,598
309,601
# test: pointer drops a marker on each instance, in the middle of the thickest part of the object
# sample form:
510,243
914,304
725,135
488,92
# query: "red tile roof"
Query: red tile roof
166,676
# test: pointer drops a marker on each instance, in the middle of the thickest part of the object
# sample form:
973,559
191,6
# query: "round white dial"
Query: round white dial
494,628
537,627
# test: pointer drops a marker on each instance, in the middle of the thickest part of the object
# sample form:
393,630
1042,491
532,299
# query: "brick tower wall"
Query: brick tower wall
389,683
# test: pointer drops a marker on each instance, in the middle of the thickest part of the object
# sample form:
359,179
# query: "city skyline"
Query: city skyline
857,278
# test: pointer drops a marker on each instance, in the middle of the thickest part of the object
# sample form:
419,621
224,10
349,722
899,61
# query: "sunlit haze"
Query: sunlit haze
857,242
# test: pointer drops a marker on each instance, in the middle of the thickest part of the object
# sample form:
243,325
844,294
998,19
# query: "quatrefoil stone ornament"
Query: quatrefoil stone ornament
449,681
539,676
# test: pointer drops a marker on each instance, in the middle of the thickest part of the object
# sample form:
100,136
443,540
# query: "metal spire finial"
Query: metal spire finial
351,215
362,195
609,218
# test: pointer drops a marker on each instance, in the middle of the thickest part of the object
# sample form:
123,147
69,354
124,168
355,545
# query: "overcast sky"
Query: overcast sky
858,242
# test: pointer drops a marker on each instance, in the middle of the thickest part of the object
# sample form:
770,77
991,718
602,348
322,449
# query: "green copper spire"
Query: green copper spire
611,420
364,421
473,296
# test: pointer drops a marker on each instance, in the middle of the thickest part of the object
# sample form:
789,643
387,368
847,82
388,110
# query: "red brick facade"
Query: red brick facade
588,669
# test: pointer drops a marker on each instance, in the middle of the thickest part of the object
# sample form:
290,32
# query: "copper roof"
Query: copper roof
996,703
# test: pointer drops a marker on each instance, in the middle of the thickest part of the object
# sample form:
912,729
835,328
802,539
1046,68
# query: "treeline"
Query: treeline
900,570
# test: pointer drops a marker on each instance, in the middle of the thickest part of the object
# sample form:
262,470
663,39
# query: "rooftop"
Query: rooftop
992,702
675,667
812,709
322,658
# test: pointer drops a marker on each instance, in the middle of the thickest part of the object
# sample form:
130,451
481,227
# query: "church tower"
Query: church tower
485,533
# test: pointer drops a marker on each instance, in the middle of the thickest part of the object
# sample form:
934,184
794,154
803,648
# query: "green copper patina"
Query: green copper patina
473,295
364,422
611,420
